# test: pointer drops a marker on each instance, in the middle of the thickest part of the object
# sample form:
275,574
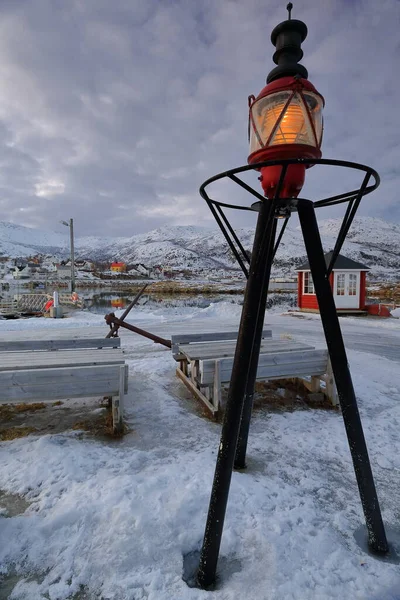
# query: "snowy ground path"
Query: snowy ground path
113,520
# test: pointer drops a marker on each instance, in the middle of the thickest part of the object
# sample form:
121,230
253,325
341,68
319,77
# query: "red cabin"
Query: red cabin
348,282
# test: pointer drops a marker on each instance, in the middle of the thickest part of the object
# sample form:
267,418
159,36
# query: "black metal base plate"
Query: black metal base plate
393,537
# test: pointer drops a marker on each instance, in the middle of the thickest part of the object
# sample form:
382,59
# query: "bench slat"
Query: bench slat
271,358
52,384
177,340
283,358
60,358
187,338
29,345
318,368
220,350
285,364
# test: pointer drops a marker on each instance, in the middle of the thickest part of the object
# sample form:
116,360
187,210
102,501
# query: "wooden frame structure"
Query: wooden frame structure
206,361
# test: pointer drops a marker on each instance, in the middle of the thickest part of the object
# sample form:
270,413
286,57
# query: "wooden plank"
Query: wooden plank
54,333
283,371
81,362
216,400
278,372
227,349
283,358
178,340
118,404
330,384
38,345
60,358
290,364
126,378
192,388
187,338
66,382
271,351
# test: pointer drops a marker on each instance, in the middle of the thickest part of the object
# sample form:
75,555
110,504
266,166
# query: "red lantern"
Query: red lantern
285,120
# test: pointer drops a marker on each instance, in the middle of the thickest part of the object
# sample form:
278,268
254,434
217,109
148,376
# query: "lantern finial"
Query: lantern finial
287,37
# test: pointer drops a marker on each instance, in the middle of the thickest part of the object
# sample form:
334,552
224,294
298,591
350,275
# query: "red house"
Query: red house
348,281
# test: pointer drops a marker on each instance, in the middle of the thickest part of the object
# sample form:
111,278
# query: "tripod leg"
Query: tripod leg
348,403
237,389
240,458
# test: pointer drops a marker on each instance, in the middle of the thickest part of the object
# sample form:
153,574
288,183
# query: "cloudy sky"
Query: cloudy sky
114,112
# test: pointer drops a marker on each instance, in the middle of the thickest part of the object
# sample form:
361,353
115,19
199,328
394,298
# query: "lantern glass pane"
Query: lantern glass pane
294,125
314,104
265,113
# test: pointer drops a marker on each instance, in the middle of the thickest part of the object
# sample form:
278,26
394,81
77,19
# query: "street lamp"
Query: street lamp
285,131
72,253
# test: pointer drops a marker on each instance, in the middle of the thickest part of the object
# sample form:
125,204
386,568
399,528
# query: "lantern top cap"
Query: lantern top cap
288,83
287,37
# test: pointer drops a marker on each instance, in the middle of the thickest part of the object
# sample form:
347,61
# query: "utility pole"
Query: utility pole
72,251
71,234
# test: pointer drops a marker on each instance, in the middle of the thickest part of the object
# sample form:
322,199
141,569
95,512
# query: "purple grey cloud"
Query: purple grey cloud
115,112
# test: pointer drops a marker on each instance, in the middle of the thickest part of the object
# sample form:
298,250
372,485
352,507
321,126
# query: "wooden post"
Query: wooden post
217,385
315,384
331,391
118,404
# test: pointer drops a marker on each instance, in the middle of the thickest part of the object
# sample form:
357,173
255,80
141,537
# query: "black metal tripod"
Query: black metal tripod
235,428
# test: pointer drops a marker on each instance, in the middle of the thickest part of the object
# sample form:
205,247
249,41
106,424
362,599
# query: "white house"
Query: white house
22,272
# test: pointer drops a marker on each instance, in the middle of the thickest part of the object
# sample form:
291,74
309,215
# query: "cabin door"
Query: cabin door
346,289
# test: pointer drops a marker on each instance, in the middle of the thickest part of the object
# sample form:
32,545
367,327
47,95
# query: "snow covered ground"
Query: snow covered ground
113,520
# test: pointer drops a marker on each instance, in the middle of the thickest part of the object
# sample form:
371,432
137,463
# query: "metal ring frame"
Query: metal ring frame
287,205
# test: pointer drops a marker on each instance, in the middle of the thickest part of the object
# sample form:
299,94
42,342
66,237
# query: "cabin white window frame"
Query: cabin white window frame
309,285
353,284
340,284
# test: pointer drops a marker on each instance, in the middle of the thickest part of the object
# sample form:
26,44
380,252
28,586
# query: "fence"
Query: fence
37,302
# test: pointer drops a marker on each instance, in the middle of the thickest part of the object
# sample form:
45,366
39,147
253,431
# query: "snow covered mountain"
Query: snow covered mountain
371,241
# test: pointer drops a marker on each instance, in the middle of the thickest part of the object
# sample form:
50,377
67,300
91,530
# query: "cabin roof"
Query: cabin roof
342,263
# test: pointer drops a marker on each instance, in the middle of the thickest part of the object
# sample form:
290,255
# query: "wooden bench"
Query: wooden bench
64,368
309,365
205,366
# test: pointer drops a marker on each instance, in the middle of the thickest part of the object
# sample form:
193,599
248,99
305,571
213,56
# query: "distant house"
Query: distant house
142,269
83,265
155,272
49,264
167,272
348,282
22,272
63,270
118,267
4,265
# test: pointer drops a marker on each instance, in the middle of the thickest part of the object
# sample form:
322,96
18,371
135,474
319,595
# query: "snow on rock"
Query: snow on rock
370,240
